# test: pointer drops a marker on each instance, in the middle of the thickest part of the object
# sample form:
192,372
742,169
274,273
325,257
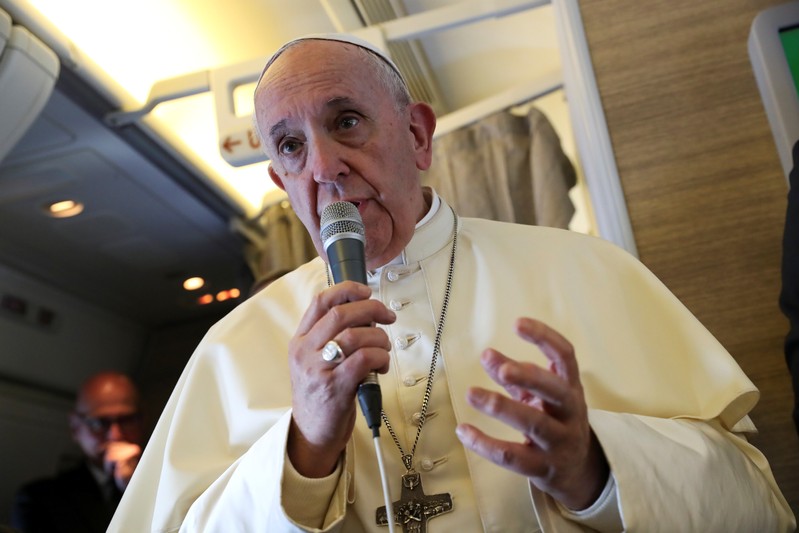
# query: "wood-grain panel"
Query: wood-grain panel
702,180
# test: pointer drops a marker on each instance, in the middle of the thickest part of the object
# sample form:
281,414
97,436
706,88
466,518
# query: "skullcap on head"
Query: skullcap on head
340,37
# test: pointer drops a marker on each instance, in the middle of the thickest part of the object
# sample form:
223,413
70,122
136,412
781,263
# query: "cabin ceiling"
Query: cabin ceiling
151,219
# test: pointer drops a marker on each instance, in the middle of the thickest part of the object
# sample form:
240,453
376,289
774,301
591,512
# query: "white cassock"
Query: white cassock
664,397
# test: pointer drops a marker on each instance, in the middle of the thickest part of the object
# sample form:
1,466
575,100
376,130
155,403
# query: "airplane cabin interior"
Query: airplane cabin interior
129,167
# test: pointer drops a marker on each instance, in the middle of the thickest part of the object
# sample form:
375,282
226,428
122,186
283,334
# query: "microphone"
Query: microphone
343,238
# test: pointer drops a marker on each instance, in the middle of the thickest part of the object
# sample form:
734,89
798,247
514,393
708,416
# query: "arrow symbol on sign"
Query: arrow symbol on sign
229,144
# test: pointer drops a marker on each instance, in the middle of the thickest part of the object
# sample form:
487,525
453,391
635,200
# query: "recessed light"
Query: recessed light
64,209
194,283
228,294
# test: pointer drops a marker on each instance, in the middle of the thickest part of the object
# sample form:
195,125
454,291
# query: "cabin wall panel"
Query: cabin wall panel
83,338
702,180
34,439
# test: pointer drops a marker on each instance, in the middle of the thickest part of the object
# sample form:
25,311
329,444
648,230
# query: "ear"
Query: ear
275,177
423,124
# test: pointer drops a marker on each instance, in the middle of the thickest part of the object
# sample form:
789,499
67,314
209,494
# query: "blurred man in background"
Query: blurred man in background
106,424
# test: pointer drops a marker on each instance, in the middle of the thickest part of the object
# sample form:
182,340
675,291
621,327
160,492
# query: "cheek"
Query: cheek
303,202
89,440
301,195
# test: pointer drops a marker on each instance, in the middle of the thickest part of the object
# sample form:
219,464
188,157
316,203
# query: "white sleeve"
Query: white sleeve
673,472
248,496
604,514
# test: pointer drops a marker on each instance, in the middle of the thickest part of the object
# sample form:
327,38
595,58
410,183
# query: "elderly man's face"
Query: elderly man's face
334,133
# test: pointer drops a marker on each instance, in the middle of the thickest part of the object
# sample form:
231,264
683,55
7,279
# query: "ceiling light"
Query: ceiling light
192,284
64,209
177,42
228,294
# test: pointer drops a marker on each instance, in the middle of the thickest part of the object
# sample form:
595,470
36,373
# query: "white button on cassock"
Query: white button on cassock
410,381
416,418
405,341
397,305
396,273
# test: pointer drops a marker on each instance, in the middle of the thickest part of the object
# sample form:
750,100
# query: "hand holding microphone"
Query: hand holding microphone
343,237
323,413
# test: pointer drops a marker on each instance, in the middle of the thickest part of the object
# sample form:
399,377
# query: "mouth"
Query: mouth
359,204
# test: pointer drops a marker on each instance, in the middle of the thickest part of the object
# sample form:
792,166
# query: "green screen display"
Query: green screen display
790,43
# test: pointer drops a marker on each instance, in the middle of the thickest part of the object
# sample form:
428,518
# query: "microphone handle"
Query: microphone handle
346,257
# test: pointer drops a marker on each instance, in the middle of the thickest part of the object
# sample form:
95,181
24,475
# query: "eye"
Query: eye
288,146
348,122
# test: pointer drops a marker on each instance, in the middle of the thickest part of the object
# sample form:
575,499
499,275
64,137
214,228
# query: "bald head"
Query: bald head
104,389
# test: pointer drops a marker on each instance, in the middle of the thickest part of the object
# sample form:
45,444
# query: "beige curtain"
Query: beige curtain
277,243
505,167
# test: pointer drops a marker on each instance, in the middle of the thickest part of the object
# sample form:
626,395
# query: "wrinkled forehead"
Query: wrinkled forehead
332,37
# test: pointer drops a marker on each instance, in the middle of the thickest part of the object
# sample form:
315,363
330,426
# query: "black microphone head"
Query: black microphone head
341,219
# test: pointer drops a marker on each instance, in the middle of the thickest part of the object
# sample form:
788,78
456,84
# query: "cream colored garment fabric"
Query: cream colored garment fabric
663,396
505,167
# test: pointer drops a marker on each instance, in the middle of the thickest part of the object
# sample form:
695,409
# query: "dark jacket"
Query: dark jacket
71,502
789,295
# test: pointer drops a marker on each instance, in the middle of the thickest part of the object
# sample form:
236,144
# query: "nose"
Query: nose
114,432
325,159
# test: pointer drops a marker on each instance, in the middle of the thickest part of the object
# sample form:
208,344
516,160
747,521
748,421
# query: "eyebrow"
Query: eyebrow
281,125
337,101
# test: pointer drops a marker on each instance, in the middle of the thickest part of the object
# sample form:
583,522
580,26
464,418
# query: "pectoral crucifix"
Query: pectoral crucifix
415,508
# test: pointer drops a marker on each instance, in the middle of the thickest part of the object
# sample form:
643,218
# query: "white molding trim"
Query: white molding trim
591,130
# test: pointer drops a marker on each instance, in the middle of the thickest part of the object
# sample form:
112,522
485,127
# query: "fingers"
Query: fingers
344,313
120,460
525,381
333,298
535,424
558,451
323,410
517,457
366,349
554,346
121,451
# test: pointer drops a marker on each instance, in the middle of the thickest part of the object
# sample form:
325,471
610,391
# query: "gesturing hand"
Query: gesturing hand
559,453
323,410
